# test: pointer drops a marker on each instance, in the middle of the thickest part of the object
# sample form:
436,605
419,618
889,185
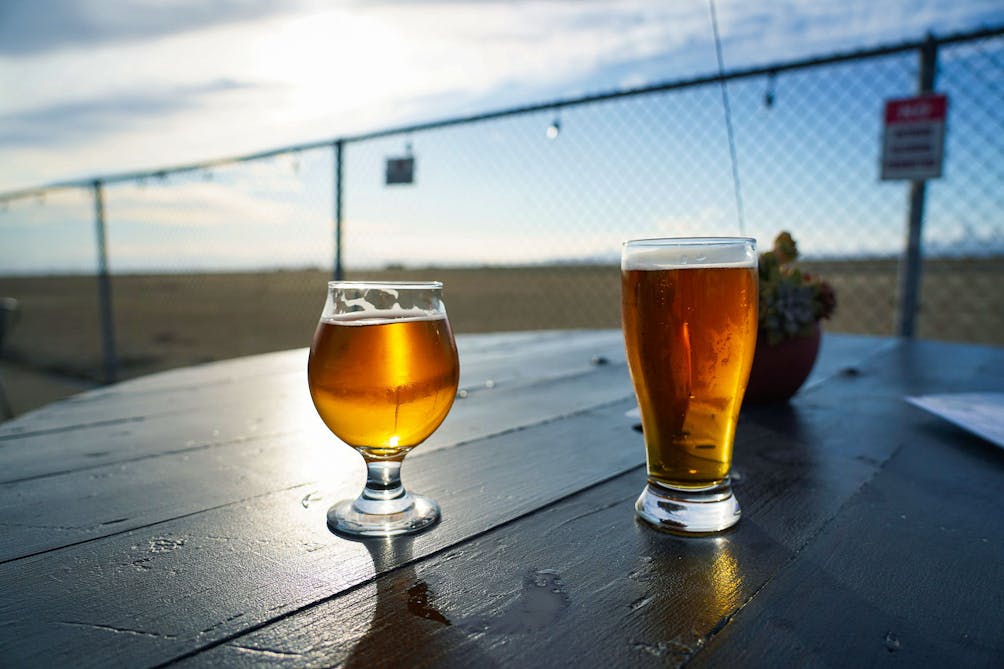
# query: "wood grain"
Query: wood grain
199,577
581,583
768,542
186,389
237,403
192,460
218,555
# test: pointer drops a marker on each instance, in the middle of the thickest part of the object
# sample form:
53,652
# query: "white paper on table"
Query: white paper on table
979,413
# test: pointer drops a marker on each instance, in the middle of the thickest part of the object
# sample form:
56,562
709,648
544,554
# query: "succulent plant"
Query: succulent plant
791,301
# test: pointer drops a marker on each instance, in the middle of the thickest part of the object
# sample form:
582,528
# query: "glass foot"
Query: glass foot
363,517
695,511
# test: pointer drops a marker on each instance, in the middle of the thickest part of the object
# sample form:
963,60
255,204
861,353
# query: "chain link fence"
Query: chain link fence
521,213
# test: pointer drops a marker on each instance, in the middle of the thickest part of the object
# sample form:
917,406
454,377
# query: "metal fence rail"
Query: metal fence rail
528,205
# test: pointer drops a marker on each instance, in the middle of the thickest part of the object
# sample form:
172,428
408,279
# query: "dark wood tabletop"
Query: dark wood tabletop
179,520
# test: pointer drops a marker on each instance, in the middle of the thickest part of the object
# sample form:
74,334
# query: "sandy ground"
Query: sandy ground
165,321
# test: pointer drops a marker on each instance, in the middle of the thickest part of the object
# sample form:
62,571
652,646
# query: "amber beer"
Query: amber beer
383,385
689,312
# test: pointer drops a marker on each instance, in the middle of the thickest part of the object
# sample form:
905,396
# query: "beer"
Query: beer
690,332
383,385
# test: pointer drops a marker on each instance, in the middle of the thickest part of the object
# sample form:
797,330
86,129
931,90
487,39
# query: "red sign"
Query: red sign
914,137
911,110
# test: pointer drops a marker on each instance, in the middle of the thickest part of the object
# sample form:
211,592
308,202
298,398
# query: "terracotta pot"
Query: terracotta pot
780,370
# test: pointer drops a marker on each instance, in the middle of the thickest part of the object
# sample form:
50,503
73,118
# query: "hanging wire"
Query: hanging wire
768,96
728,120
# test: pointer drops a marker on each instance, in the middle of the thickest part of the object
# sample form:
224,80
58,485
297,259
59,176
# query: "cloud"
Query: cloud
760,33
113,86
239,204
86,120
30,27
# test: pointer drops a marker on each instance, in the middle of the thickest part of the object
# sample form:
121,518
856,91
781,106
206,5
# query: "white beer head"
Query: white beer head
688,252
366,302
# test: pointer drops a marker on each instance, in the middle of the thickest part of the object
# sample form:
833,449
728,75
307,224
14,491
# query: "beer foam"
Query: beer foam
373,317
657,254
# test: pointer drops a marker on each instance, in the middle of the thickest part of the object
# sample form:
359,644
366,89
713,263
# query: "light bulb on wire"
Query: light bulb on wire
554,129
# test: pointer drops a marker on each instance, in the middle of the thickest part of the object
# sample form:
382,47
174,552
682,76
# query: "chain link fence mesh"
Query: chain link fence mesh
961,295
522,216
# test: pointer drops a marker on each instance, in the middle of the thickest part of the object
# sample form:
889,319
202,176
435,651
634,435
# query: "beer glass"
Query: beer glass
383,373
689,314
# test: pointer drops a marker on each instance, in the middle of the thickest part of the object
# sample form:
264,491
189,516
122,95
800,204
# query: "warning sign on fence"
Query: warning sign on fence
913,140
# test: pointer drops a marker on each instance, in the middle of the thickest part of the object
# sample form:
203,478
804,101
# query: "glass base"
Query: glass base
364,517
694,511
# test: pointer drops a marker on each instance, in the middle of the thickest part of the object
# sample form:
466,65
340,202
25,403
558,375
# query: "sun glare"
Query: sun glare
330,60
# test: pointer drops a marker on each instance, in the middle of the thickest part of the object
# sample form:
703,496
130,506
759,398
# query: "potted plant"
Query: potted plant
792,303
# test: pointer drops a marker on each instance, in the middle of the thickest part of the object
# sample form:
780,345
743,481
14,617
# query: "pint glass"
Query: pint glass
689,314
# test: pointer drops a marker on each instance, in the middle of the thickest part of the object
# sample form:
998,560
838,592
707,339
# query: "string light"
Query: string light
554,129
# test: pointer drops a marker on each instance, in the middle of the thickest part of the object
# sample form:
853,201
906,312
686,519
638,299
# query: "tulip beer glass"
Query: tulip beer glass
383,373
689,313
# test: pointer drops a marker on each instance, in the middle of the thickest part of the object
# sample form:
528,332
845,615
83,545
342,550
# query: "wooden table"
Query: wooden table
178,520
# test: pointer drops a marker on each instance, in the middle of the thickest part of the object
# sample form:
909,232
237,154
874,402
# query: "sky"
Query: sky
97,87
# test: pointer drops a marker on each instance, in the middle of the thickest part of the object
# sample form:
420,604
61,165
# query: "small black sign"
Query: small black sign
400,171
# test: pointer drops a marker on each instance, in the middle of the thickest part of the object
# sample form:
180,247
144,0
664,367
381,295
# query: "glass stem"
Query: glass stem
383,481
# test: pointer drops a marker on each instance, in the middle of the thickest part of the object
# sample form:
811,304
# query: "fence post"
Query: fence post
339,272
913,257
111,361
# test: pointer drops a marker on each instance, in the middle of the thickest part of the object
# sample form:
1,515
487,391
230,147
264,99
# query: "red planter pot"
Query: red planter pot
780,370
